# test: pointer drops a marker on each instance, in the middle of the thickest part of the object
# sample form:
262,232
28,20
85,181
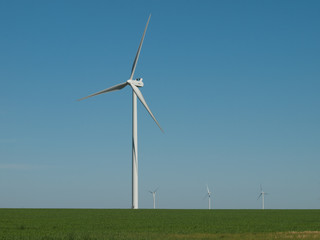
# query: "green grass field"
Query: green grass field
89,224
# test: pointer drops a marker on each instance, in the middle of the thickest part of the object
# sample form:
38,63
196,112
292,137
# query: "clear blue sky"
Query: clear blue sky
234,84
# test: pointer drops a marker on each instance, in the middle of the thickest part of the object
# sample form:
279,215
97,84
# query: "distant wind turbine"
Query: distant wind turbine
154,197
134,84
262,193
208,195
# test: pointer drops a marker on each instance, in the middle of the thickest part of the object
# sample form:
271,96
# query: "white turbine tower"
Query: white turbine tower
262,193
134,84
209,197
154,197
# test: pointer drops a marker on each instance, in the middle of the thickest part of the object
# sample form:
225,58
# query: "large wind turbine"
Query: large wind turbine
134,84
209,197
154,197
262,193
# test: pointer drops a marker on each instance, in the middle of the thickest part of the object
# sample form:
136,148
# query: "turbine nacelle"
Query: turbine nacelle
138,82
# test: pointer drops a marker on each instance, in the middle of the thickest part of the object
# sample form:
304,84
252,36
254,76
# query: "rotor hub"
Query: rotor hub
138,82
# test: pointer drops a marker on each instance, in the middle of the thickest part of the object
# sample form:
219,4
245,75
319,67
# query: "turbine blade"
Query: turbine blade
208,189
156,189
259,196
114,88
141,98
138,52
